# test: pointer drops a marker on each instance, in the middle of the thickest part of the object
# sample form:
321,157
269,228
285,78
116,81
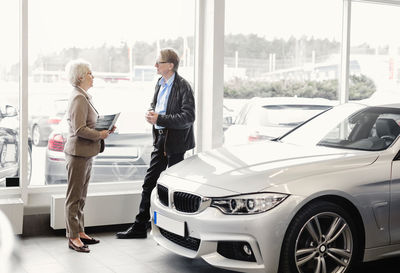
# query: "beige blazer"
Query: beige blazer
83,139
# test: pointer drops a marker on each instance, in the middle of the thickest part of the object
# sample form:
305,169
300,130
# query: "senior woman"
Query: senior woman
83,143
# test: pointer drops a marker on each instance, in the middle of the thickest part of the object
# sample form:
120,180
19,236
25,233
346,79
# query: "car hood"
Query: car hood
259,166
239,134
274,131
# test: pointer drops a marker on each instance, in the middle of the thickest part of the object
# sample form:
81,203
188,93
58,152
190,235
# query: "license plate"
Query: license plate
169,224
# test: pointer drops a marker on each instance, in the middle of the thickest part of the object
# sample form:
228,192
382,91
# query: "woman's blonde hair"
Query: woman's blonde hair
76,71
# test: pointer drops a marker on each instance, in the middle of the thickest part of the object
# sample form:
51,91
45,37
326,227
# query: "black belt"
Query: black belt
161,131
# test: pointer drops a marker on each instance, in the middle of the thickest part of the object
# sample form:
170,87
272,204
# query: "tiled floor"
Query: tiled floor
50,254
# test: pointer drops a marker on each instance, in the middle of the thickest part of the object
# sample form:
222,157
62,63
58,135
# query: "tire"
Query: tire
36,136
321,238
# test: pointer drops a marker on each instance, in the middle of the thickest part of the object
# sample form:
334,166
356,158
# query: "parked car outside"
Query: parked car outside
319,199
268,118
127,152
43,120
9,144
227,117
230,110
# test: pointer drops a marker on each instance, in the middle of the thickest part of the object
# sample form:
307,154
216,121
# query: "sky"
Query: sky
92,22
284,18
57,24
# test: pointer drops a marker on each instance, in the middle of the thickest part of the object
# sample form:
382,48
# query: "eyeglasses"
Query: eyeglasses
158,62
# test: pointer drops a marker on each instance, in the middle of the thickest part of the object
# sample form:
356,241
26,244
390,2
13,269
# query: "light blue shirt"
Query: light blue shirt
162,98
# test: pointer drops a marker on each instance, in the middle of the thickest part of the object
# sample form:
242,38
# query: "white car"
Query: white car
319,199
269,118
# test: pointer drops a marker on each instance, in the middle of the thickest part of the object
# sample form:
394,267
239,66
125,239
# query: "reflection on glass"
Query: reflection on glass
279,52
122,50
375,52
9,91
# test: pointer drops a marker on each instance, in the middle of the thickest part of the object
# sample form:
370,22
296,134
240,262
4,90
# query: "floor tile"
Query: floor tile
50,254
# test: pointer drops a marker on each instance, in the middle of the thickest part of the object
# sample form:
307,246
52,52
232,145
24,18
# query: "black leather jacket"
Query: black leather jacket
179,118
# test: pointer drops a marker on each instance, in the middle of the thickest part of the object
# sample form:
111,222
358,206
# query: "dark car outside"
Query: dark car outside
9,144
43,121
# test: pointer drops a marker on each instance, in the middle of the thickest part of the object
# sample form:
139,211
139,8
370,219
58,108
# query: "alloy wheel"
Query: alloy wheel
324,245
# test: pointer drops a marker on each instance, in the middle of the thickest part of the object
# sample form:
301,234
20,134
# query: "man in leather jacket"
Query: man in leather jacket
172,115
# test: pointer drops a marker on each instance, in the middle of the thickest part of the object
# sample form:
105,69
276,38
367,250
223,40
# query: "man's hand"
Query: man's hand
151,117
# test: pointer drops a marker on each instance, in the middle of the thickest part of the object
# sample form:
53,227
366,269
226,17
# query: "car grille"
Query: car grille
186,202
186,242
162,194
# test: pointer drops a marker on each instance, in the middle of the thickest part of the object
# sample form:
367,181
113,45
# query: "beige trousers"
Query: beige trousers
79,171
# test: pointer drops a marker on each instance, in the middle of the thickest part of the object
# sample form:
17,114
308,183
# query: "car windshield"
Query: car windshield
350,126
283,114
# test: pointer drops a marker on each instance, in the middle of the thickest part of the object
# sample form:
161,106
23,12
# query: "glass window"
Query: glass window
323,125
372,130
9,90
286,49
282,115
121,41
350,126
374,54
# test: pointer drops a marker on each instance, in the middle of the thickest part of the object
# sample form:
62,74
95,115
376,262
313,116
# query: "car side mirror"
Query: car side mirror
10,111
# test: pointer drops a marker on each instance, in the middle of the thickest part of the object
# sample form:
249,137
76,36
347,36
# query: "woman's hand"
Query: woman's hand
104,134
113,129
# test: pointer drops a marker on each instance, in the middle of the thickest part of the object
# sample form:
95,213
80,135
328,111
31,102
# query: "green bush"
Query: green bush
361,87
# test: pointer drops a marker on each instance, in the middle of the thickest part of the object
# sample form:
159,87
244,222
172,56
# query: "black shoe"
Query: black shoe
134,231
83,248
90,241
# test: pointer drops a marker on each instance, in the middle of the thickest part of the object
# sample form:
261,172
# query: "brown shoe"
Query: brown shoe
83,248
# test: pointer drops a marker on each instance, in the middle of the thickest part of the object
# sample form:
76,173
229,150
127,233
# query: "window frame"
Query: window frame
38,196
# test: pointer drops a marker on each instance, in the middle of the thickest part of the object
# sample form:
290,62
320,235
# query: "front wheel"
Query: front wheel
320,239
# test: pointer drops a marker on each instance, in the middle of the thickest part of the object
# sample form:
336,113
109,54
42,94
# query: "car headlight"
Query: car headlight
248,203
